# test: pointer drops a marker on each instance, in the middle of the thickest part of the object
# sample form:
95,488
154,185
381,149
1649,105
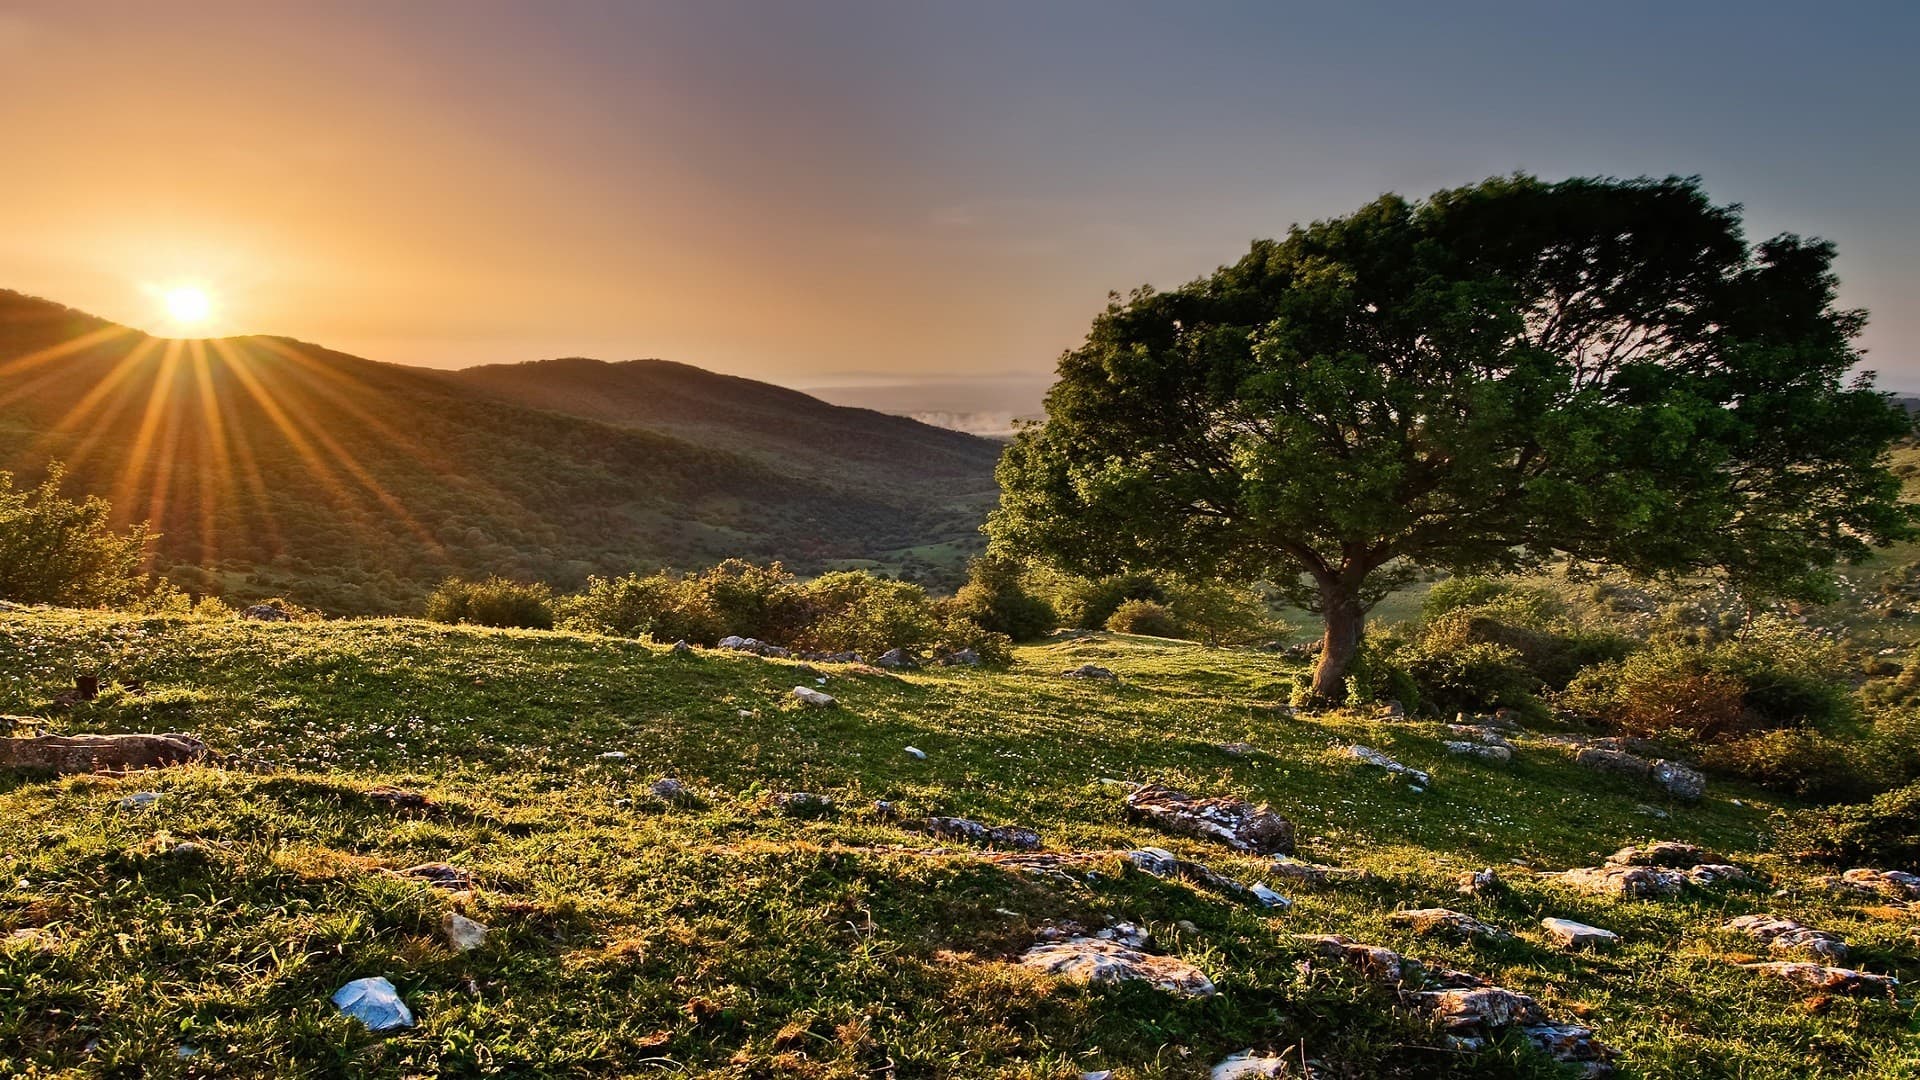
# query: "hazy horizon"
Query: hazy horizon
810,194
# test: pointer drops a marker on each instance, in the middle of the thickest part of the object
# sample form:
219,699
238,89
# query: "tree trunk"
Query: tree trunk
1346,624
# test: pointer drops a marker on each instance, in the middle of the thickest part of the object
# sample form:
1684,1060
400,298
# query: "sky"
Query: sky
837,194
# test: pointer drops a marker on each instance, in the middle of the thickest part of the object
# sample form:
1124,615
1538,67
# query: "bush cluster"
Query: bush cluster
1884,831
495,601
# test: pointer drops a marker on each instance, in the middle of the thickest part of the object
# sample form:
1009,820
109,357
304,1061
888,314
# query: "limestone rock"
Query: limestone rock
1091,671
264,613
1679,781
1487,1008
399,798
1897,884
804,804
669,789
809,696
1577,935
1482,884
1101,960
441,876
1447,923
1625,882
1670,853
1783,935
1708,874
896,660
973,832
1233,822
1308,873
1367,755
461,932
1615,761
1247,1065
1376,963
681,648
101,753
1831,980
1498,753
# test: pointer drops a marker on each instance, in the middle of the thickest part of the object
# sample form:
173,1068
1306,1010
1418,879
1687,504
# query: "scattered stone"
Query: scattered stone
1625,882
1831,980
916,752
1679,781
1375,963
1481,884
1390,710
1097,1074
973,832
681,648
1671,853
804,804
1103,960
139,800
1267,898
441,876
808,695
1485,1008
1480,734
1783,935
1246,1065
1237,749
1571,1044
896,660
399,798
669,789
1577,935
1156,861
101,753
1091,671
1614,761
1367,755
1498,753
1896,884
958,658
1307,873
375,1003
1710,874
462,933
1447,923
613,755
1234,822
1053,866
752,645
265,613
1652,811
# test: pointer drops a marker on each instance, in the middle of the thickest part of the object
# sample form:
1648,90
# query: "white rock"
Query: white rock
139,800
810,696
375,1003
1246,1064
914,751
463,933
614,755
1573,935
1096,960
1270,899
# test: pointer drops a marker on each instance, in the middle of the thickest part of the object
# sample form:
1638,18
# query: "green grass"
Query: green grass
725,939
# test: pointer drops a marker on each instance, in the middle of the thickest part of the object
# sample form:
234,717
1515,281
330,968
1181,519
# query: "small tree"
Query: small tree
1473,383
57,551
996,599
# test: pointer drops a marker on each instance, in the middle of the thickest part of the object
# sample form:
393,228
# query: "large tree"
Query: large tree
1474,382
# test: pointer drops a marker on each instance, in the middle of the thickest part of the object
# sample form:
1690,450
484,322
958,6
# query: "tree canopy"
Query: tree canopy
54,550
1472,382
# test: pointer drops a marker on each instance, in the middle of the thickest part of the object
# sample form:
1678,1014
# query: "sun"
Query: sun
187,306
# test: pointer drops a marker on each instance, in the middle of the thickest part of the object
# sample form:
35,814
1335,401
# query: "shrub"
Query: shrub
1661,692
1089,602
1793,760
57,551
1143,617
994,649
997,600
658,606
1459,592
1884,831
749,600
1469,678
858,612
1222,614
495,601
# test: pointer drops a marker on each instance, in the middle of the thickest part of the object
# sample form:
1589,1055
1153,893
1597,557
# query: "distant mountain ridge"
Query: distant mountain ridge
272,465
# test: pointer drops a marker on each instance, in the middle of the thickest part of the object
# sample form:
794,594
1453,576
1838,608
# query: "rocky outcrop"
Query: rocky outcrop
1670,853
1233,822
968,831
1116,955
1625,882
1782,935
736,643
1446,922
101,753
1827,980
1367,755
1090,671
1497,753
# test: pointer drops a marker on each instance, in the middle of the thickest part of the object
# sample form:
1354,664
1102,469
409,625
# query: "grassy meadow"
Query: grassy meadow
718,936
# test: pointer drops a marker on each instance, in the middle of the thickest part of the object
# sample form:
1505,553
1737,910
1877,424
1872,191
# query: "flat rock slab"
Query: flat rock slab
1670,853
1308,873
1577,935
1831,980
1783,935
1625,882
1097,960
1247,1065
973,832
1233,822
1498,753
809,696
1367,755
101,753
1894,884
1445,922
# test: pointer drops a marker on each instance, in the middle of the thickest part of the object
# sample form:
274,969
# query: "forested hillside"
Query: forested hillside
275,466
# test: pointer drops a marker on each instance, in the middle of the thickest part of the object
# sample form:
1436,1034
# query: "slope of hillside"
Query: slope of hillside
713,934
271,465
782,426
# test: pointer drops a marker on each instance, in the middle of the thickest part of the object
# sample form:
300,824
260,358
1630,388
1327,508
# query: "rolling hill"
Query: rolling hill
273,466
